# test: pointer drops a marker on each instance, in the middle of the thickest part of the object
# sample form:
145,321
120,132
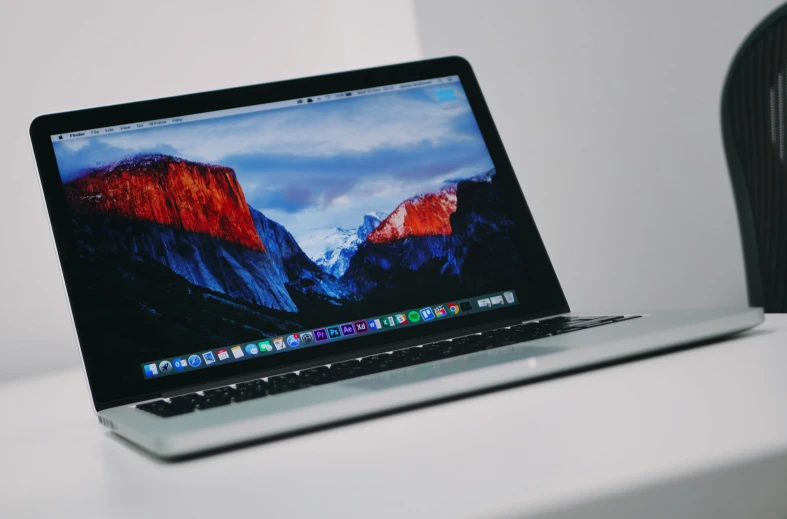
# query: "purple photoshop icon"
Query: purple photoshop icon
348,329
320,335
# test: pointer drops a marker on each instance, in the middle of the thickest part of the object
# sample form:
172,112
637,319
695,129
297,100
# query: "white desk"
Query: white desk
702,433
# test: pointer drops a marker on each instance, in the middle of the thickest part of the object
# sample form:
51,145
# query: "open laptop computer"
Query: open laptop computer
253,262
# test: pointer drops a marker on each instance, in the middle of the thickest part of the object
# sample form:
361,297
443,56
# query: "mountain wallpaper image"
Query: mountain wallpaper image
236,228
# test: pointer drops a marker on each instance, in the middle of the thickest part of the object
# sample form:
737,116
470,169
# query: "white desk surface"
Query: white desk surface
701,433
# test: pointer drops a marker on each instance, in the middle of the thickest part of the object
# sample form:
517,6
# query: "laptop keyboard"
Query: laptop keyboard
260,388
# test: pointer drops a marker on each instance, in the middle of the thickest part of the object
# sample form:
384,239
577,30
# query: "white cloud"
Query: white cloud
356,125
74,145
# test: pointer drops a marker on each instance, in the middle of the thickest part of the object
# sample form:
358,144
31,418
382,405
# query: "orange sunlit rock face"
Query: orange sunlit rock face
186,195
424,215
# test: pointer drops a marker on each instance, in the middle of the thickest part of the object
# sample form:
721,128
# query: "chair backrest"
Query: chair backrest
754,128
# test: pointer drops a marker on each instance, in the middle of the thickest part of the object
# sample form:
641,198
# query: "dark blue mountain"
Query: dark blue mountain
480,233
294,269
204,260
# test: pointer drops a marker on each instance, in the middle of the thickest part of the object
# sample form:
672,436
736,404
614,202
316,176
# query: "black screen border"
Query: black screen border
108,395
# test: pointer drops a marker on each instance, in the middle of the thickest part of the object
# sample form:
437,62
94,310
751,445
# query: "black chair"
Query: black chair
754,128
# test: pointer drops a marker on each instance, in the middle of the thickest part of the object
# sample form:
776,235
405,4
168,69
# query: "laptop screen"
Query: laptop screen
250,233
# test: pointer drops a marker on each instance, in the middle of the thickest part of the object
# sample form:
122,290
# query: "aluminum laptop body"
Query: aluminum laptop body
256,262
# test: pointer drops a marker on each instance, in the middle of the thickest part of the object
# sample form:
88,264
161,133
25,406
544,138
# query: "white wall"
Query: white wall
61,55
609,110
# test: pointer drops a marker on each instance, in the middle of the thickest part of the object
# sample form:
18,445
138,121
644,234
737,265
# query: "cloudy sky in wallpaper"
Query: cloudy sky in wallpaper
318,165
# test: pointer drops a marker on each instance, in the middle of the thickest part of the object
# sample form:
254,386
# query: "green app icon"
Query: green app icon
389,322
265,346
414,316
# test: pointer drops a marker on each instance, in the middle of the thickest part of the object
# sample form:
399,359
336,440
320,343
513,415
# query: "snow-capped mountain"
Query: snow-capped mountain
333,248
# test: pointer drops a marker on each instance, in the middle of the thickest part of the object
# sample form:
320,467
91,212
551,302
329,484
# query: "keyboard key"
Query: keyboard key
222,392
191,400
165,409
216,400
250,390
347,369
281,388
316,376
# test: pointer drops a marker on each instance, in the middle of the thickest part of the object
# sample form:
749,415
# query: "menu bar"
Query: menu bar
324,335
303,101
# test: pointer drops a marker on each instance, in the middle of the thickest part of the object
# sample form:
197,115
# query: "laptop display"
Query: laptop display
250,232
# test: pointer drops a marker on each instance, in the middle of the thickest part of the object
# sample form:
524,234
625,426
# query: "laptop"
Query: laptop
252,263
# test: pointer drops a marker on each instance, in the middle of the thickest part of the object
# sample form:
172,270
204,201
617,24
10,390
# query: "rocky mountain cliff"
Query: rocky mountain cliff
293,267
445,239
193,219
422,215
184,195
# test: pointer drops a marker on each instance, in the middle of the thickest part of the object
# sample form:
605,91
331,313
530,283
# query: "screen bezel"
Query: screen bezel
43,127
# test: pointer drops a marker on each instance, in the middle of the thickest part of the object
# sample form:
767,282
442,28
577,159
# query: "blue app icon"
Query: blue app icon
334,332
252,349
209,358
150,370
427,314
179,364
195,361
375,324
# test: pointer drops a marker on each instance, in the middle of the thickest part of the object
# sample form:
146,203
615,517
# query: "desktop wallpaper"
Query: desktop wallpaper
222,230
